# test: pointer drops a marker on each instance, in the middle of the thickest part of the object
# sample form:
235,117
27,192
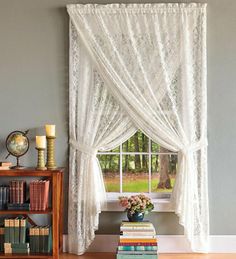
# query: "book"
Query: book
2,163
14,206
11,231
137,244
136,256
36,239
39,192
48,240
16,230
138,252
6,230
16,248
32,240
41,239
137,248
23,223
2,239
138,240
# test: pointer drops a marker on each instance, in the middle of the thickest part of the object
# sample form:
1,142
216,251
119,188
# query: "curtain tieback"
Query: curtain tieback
83,148
195,146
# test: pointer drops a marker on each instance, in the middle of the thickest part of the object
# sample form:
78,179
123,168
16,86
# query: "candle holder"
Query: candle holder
41,161
51,164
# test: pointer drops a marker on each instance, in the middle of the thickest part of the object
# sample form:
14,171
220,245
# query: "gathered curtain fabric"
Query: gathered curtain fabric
138,66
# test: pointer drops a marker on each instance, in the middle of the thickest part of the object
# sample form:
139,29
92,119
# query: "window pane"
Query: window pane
137,143
156,148
111,173
116,150
163,172
135,173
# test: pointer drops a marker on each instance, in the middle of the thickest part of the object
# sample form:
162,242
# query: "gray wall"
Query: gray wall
34,91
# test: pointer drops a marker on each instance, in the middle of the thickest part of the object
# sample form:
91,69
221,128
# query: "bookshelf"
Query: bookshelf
56,210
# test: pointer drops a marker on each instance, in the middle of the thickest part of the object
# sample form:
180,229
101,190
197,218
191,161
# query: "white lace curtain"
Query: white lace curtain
143,65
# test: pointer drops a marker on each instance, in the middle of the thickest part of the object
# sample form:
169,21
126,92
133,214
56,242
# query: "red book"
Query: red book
45,194
13,191
17,192
32,202
40,187
137,244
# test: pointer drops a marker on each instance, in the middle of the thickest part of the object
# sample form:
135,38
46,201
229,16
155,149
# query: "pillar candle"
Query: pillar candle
50,130
40,141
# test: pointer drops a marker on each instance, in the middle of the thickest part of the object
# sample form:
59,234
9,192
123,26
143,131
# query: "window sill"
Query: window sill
160,205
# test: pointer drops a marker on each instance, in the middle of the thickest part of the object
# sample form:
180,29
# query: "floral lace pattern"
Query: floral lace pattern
138,66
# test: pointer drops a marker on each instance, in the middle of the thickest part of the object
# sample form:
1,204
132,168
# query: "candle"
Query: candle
40,141
50,130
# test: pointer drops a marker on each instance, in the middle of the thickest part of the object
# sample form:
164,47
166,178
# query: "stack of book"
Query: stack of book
5,165
39,191
40,239
15,236
4,197
17,192
137,240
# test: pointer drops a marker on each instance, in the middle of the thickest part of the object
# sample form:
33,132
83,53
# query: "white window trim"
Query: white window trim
161,200
160,205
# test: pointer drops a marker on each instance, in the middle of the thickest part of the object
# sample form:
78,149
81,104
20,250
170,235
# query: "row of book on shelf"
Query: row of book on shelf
15,197
15,237
137,240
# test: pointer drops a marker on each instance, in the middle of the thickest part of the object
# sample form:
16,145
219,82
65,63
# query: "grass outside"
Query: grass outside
135,183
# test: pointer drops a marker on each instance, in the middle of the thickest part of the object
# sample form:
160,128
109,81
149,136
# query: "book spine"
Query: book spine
40,194
36,238
31,195
135,256
31,240
20,250
1,198
137,237
20,192
4,197
137,244
16,230
22,230
41,239
2,239
46,194
7,231
137,248
11,231
17,192
20,246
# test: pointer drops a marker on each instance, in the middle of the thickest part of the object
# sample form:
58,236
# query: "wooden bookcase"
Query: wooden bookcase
56,211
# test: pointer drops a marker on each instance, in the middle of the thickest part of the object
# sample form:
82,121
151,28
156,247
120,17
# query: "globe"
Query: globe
17,144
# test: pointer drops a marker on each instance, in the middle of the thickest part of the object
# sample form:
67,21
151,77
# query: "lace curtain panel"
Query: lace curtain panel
144,64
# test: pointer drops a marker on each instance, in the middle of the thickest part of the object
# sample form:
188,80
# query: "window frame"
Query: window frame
156,197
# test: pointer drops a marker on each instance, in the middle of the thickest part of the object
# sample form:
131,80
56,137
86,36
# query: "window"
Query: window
139,166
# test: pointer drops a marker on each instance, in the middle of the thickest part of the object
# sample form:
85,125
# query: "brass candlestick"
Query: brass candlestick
51,164
41,161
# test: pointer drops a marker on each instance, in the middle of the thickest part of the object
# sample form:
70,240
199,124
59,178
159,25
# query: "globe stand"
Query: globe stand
17,166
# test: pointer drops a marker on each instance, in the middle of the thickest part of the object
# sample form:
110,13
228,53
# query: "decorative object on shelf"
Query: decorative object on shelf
51,136
17,144
41,146
136,206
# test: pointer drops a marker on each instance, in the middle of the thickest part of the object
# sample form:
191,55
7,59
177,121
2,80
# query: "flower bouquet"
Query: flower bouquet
136,206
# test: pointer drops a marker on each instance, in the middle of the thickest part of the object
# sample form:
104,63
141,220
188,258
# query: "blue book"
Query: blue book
135,256
137,248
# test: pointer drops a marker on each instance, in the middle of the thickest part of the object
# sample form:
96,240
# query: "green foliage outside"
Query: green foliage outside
135,167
